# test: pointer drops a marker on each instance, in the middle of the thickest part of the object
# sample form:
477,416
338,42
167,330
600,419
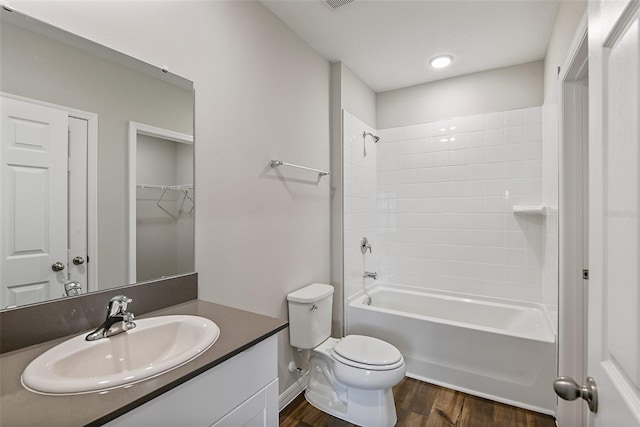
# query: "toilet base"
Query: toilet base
368,408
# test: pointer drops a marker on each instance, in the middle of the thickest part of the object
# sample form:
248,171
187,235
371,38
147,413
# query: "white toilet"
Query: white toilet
350,378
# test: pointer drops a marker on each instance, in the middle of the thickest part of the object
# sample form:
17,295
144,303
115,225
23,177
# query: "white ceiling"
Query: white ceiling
388,43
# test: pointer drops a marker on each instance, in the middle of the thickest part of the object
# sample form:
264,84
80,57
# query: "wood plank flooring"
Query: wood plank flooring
419,404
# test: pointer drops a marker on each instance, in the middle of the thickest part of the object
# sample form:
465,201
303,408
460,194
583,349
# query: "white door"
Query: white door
77,183
33,193
614,221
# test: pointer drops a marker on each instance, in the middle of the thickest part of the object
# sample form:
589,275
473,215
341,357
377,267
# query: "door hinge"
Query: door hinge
585,274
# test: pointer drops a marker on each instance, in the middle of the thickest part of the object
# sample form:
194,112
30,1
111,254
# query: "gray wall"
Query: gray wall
261,93
500,89
357,98
567,19
185,243
41,68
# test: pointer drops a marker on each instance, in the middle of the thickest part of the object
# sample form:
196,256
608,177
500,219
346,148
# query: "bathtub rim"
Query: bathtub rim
357,299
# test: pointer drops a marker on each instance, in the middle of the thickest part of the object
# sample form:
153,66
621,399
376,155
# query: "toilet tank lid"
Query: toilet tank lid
310,293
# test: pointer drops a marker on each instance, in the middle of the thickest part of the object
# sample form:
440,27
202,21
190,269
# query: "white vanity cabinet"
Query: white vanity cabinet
242,391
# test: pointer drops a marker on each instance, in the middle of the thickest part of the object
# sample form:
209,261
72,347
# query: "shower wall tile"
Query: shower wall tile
533,115
494,120
445,195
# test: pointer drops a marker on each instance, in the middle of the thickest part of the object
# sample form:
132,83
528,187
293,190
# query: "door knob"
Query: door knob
568,389
57,266
78,260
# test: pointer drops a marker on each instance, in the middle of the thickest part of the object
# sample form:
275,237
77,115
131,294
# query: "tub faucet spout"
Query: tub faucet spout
370,274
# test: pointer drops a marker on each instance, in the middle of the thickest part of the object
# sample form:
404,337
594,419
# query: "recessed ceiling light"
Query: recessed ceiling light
441,61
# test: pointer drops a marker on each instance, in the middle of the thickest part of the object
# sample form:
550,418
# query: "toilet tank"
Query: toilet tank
310,315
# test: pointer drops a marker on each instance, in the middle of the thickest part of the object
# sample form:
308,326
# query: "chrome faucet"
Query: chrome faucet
118,319
370,274
72,288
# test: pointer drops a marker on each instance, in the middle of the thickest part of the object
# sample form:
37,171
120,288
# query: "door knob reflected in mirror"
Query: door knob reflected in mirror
568,389
57,266
78,260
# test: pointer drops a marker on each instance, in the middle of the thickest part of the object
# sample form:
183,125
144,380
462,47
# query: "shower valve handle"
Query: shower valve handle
364,245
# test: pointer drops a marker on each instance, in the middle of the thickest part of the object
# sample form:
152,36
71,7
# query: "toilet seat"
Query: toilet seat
368,353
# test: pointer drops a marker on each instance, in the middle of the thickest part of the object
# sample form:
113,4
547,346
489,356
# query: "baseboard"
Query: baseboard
293,391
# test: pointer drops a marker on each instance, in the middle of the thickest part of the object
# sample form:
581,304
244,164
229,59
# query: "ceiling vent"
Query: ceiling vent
334,4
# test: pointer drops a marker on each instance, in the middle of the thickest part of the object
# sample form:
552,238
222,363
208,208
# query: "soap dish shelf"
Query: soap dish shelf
530,210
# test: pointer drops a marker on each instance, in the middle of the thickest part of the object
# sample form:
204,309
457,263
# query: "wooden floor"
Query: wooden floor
419,404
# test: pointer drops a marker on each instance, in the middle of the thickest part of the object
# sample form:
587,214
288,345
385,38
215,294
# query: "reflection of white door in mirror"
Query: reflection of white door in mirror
77,187
34,201
47,202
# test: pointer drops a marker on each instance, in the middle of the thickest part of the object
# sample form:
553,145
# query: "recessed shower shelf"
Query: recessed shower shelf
530,210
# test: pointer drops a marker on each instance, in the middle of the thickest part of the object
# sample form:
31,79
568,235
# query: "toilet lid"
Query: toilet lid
367,350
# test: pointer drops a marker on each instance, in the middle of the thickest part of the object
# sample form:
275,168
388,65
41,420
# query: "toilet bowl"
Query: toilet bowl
358,391
367,363
350,378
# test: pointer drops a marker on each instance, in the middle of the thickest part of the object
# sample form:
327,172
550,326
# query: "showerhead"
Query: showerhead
375,138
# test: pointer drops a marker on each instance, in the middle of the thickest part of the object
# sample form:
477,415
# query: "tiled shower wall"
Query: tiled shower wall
360,202
446,192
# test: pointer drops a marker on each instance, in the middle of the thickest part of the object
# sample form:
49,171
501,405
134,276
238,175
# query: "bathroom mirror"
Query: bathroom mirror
69,107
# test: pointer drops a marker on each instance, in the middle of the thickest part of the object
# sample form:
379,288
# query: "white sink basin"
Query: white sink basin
155,346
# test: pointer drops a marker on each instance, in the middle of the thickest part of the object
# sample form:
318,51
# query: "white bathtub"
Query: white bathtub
500,350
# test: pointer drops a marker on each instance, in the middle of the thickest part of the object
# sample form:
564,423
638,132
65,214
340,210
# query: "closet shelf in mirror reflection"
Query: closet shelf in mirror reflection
182,188
276,163
530,210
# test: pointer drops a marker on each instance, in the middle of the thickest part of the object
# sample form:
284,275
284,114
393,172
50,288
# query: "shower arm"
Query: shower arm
374,137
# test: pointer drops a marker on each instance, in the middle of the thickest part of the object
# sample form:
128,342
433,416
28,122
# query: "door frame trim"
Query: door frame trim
572,296
92,180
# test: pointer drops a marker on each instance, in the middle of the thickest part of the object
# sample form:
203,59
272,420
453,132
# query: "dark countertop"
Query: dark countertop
239,330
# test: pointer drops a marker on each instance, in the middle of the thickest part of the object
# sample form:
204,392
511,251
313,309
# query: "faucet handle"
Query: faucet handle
128,321
364,245
118,304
